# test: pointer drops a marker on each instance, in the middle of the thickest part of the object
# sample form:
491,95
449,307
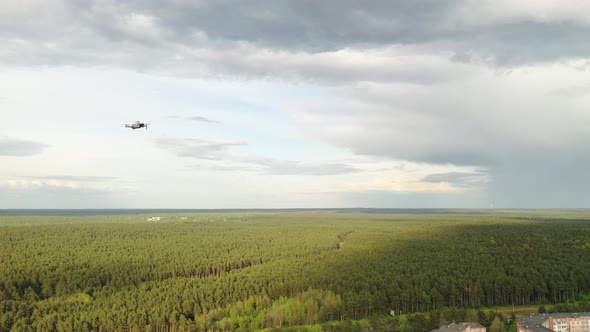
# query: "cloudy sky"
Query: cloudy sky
275,104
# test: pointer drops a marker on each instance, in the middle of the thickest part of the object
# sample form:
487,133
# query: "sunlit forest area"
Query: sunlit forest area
316,270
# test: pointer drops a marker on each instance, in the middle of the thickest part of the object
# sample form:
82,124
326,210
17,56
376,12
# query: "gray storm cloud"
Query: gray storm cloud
19,147
459,179
161,35
214,152
202,119
196,148
531,140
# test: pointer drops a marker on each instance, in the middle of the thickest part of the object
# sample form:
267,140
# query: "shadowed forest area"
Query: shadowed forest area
266,270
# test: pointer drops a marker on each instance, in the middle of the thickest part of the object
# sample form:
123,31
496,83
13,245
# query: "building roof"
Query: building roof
454,327
534,322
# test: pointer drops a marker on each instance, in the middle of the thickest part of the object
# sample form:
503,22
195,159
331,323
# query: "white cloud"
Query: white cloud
32,184
401,185
141,26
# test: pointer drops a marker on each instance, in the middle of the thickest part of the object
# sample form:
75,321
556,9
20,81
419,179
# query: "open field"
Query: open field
255,269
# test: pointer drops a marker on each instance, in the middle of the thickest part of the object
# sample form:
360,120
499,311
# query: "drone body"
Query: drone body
136,125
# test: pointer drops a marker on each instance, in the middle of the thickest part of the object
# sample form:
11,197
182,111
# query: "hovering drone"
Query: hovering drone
136,125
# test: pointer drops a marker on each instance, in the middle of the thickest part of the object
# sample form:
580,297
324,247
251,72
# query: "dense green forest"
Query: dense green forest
255,270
